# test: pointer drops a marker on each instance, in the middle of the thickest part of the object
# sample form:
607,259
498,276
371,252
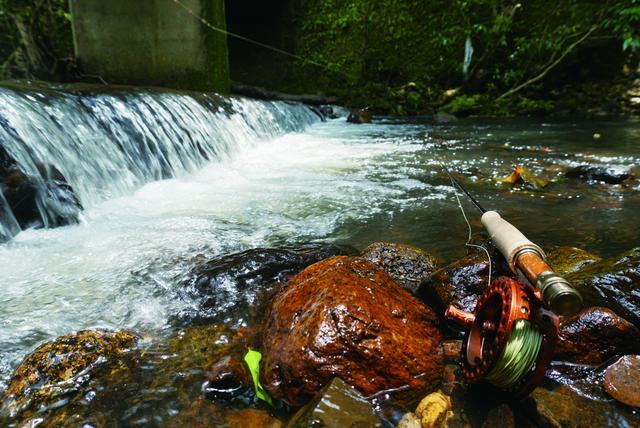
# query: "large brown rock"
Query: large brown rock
595,335
344,317
408,265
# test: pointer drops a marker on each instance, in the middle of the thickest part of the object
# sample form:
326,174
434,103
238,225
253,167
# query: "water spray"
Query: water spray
513,330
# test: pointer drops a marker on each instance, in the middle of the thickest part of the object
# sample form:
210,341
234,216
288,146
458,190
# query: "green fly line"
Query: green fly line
518,356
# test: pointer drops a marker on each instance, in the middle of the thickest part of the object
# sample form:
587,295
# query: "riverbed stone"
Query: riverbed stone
58,370
434,409
408,265
612,283
337,405
462,282
566,260
594,335
344,317
622,380
236,288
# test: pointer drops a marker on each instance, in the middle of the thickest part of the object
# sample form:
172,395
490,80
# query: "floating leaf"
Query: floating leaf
523,175
252,358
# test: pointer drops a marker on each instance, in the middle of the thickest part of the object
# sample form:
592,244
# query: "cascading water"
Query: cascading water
107,145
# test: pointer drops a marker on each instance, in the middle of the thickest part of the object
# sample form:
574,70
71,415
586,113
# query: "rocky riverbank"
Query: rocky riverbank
344,342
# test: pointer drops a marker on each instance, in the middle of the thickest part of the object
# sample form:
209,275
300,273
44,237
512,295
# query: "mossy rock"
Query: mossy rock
566,260
408,265
57,371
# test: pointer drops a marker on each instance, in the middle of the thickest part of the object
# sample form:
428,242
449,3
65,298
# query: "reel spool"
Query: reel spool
511,337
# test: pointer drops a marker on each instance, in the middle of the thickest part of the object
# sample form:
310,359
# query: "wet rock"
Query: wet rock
452,379
361,115
26,194
566,260
336,405
253,418
612,283
333,111
56,371
462,282
434,409
500,416
595,335
235,289
344,317
452,350
598,174
408,265
622,380
563,409
228,378
443,117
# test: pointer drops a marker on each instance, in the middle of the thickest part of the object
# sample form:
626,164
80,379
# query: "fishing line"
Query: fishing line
255,42
464,215
518,357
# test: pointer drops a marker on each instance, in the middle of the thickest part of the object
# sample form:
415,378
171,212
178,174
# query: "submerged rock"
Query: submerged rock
612,283
598,174
236,288
408,265
337,405
344,317
595,335
622,380
566,260
57,371
361,115
562,408
332,111
204,414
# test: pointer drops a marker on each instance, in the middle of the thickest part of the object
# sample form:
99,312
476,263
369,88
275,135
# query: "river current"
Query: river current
164,177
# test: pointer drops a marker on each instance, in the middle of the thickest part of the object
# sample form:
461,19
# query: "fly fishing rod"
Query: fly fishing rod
514,327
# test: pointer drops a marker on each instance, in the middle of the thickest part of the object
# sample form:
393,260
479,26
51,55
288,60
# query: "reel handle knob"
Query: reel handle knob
460,317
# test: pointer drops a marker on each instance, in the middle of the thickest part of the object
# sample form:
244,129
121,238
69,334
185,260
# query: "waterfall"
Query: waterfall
107,144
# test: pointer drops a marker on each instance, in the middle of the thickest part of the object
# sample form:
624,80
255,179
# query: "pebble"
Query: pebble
622,380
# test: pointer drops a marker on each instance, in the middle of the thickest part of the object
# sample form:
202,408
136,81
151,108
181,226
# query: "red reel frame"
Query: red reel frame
498,309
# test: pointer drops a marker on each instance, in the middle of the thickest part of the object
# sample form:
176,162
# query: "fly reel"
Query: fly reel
511,337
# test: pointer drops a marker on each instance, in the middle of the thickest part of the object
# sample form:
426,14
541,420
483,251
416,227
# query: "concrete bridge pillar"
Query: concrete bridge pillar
152,43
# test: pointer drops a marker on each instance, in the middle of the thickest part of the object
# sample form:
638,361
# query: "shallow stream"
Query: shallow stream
235,174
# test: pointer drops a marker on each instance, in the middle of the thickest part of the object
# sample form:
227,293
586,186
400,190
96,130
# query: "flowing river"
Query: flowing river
164,177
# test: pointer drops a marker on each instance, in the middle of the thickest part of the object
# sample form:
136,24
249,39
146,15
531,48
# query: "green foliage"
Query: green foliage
253,358
49,27
463,104
379,45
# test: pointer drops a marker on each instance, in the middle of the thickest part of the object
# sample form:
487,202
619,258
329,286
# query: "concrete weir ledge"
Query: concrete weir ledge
152,43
